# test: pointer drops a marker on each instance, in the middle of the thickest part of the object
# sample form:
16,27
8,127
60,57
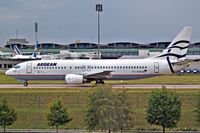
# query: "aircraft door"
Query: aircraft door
29,68
156,67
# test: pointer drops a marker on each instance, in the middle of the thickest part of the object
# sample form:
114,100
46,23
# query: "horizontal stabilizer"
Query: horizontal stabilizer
186,61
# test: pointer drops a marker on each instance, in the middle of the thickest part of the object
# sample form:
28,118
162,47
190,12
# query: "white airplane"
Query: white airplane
18,55
78,71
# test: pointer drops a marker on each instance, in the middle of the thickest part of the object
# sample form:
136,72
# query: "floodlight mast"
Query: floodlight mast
36,32
99,8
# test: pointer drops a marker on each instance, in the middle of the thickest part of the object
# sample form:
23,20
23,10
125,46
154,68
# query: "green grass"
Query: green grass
165,79
32,105
6,79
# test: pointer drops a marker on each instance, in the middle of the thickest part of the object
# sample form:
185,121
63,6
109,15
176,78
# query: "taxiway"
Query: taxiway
138,86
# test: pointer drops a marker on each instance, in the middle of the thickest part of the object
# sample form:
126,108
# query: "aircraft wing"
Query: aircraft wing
99,75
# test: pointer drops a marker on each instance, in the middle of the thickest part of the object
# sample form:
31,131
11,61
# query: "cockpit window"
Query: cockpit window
17,66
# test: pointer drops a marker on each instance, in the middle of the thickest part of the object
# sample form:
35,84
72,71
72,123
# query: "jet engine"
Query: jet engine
75,79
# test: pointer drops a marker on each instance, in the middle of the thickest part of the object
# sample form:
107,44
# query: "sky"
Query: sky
65,21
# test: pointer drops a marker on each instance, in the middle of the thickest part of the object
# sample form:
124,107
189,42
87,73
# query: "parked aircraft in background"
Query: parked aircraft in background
78,71
18,55
63,55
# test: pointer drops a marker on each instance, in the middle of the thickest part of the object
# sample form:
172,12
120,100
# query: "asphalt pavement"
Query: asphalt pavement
121,86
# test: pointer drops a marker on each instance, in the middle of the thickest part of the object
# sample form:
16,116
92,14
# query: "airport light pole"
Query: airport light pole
99,8
36,39
36,31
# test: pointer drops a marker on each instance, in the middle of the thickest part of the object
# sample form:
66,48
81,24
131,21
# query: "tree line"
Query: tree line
109,110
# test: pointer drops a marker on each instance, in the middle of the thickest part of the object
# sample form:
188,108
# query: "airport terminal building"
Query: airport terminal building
108,51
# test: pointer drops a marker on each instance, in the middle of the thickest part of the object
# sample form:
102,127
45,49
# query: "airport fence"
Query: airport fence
32,107
43,100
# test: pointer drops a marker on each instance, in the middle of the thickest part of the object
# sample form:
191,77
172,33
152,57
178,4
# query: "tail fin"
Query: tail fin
177,49
35,50
16,50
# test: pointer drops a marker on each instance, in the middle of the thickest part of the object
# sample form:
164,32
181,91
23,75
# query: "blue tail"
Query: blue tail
35,49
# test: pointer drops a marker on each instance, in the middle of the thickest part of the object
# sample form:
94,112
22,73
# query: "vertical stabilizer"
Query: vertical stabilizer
177,49
35,50
16,50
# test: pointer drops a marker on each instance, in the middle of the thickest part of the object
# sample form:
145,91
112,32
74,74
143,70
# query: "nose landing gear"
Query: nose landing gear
26,83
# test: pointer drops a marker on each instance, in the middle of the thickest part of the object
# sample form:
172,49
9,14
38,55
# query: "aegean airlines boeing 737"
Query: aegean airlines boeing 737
169,61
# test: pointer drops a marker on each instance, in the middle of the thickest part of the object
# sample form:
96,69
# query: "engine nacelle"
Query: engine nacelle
75,79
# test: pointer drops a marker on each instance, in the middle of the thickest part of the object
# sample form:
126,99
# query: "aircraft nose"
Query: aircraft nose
8,72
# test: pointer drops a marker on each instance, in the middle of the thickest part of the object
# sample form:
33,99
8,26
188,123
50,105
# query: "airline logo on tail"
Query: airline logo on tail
16,50
172,52
177,49
35,50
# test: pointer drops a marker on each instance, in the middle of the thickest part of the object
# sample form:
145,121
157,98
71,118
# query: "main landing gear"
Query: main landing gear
26,83
99,81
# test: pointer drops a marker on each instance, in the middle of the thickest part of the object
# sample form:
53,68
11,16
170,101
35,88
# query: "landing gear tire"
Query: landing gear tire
25,83
99,81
